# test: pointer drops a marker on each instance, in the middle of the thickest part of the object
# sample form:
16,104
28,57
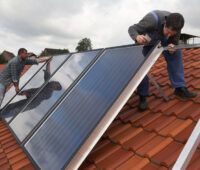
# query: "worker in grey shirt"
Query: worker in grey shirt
11,72
165,27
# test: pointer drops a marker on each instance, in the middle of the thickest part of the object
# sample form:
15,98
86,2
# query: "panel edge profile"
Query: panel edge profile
114,110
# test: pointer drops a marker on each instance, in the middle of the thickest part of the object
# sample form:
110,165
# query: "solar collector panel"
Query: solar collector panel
72,122
25,121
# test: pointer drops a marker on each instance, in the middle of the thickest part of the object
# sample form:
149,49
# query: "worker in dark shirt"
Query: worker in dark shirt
165,27
11,72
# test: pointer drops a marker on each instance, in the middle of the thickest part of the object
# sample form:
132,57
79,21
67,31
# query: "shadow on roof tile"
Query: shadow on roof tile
115,160
137,161
139,140
169,154
175,127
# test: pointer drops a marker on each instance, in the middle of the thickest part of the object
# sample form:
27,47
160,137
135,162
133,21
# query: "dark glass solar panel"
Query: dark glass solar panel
48,96
19,101
57,140
23,80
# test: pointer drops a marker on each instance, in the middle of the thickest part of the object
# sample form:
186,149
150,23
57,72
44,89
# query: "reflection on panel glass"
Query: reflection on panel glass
19,101
64,131
58,84
23,80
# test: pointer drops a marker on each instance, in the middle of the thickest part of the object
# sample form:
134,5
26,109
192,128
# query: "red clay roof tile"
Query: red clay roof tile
28,167
5,166
147,119
137,161
194,163
126,135
103,153
2,155
86,165
160,123
102,143
133,115
14,153
19,157
118,158
177,108
20,164
154,146
185,134
117,130
165,105
11,148
152,166
139,140
175,127
169,154
3,161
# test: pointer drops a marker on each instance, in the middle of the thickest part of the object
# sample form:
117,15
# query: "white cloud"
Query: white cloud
35,24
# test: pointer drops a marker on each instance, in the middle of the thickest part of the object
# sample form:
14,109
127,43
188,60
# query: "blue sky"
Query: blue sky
35,24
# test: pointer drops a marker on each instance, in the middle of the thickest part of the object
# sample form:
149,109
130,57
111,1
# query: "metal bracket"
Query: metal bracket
158,87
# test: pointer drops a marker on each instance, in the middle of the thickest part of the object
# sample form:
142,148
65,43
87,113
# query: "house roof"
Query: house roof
151,139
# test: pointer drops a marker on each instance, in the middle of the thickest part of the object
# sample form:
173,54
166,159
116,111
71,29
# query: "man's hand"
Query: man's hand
45,59
50,58
171,51
16,89
22,93
142,39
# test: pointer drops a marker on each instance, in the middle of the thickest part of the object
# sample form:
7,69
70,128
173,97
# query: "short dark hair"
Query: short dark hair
175,21
21,50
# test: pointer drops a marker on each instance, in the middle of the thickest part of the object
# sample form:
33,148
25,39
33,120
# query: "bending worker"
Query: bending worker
11,72
166,27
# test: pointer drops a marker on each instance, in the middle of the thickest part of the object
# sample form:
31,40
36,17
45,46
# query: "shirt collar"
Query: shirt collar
20,60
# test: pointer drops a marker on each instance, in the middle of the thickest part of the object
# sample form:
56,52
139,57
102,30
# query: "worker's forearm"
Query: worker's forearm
44,59
16,87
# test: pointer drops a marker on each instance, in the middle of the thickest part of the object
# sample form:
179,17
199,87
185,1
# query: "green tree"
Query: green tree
2,60
84,45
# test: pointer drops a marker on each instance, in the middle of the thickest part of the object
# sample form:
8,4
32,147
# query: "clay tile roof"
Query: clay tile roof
147,140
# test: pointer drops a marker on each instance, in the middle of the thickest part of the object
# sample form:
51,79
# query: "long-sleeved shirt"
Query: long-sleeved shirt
148,24
11,72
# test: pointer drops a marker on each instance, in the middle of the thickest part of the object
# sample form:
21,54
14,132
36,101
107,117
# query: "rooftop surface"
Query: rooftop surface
147,140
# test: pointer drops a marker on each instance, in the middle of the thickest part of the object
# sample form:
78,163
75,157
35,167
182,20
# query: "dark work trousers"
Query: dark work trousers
174,66
2,93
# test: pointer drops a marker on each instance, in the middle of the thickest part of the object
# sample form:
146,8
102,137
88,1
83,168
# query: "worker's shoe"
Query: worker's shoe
142,103
184,92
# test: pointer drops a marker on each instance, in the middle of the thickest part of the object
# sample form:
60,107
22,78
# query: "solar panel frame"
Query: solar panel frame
89,145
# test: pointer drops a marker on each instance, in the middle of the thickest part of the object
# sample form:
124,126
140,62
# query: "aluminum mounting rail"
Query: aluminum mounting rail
177,47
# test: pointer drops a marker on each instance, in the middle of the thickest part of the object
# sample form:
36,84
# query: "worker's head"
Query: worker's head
55,85
22,53
173,24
